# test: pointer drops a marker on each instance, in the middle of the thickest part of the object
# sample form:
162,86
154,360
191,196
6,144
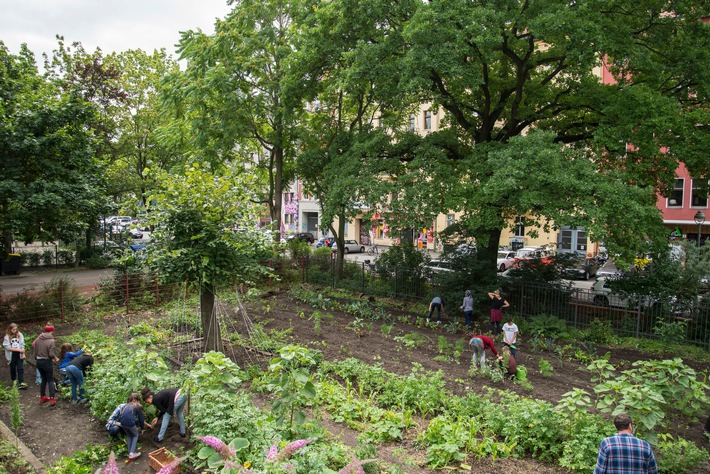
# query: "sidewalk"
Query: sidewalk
34,280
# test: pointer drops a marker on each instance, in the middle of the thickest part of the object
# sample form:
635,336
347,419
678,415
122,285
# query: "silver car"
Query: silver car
505,260
351,246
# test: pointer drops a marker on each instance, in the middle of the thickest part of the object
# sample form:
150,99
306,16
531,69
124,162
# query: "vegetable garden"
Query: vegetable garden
315,380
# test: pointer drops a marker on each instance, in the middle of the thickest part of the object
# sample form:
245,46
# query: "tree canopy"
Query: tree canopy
49,181
527,127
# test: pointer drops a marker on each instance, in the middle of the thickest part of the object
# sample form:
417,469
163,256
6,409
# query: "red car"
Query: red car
543,254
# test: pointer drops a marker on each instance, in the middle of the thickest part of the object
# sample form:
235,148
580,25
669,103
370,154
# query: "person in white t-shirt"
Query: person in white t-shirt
510,335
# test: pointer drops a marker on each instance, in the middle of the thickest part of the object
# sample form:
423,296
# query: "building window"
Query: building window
427,120
698,196
581,240
450,219
519,226
676,197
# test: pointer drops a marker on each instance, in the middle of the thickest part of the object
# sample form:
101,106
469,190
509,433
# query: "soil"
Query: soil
52,432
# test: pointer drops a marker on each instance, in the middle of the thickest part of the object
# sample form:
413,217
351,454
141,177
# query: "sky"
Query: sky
112,25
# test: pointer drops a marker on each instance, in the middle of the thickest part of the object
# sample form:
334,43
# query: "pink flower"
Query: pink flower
292,447
273,451
218,445
168,468
111,466
355,467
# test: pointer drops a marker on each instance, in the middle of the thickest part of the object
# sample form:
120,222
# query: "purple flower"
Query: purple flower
273,451
168,468
218,445
355,467
292,447
111,466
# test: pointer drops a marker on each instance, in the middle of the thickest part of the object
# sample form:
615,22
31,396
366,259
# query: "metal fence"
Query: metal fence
60,300
576,306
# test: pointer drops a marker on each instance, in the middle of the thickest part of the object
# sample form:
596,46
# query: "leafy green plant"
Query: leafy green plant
678,456
15,408
673,332
386,329
82,462
545,367
600,332
652,390
411,340
292,384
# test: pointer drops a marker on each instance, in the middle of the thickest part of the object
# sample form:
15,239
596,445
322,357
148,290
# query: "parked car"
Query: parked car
135,233
609,269
325,242
602,295
544,254
506,259
350,246
436,266
302,236
582,268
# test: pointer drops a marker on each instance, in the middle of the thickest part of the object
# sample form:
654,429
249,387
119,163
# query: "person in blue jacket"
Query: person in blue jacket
131,419
66,355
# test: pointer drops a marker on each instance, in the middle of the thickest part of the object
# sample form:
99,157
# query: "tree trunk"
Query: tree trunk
210,325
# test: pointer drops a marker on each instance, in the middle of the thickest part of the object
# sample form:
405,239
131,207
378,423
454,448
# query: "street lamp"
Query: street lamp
699,219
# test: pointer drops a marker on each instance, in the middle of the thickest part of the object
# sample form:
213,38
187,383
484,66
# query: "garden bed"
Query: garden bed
60,431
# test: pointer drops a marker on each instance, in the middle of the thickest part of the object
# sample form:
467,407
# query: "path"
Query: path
33,280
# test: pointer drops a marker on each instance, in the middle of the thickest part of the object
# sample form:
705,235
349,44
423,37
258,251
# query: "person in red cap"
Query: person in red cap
45,354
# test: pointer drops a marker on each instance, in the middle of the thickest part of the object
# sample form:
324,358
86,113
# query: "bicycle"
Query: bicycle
373,250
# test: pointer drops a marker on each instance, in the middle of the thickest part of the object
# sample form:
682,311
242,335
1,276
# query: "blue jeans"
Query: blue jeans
76,377
468,317
131,438
437,307
179,408
478,351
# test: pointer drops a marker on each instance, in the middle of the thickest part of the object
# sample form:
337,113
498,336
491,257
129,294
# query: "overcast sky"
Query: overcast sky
112,25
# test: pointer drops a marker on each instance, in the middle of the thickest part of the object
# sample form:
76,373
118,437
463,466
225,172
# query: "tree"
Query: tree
49,181
140,121
205,234
232,98
528,127
344,126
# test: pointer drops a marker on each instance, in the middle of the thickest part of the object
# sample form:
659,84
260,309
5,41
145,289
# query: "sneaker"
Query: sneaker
132,456
43,399
157,440
182,435
52,402
74,402
22,386
83,400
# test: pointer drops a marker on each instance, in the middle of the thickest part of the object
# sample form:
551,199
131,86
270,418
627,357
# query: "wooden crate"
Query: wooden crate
161,458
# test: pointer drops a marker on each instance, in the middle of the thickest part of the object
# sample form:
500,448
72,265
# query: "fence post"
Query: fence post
576,306
127,292
157,293
61,299
363,278
638,319
395,281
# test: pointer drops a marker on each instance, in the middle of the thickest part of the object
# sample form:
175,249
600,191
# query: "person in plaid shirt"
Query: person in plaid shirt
624,453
